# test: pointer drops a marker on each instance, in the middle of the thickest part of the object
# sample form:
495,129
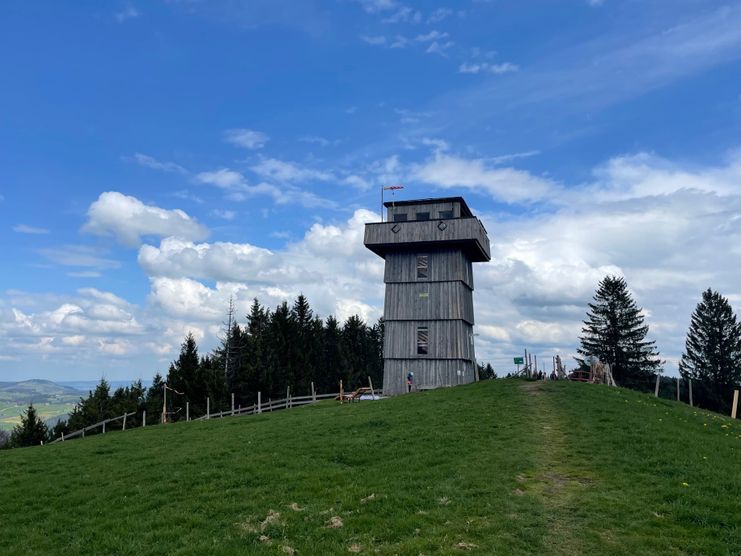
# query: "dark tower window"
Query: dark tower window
423,267
446,214
423,216
422,340
400,217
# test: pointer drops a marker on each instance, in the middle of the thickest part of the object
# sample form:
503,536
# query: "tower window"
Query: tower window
423,216
422,340
423,268
400,217
446,214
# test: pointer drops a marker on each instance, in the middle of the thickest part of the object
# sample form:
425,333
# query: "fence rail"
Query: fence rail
272,405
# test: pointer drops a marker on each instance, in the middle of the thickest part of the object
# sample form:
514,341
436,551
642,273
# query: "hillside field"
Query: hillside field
499,467
50,399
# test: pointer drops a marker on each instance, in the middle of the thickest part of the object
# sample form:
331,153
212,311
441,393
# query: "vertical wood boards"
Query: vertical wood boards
734,407
444,265
423,301
450,339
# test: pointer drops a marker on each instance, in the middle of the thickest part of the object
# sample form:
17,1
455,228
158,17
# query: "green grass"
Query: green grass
503,467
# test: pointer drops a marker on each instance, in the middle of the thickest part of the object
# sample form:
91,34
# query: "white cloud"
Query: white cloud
316,140
24,229
439,14
375,40
129,12
377,6
433,35
223,178
439,48
506,184
405,14
281,171
154,164
128,220
485,67
79,255
223,214
246,138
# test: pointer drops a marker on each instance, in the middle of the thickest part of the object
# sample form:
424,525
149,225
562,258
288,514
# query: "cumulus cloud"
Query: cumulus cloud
128,220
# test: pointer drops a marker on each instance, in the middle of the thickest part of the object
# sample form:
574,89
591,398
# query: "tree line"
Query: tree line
615,332
273,350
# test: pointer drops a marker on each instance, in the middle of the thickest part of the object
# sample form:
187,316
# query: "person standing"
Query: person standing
410,381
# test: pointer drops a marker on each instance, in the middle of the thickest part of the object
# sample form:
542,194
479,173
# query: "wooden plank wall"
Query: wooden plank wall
427,374
464,231
443,265
428,301
433,208
447,339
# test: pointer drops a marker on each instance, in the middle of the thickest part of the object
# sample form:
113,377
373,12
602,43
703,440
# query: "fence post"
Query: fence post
678,389
270,404
232,403
689,383
735,404
124,422
288,396
83,433
103,427
370,382
658,380
342,394
144,418
313,393
259,402
62,437
208,407
187,411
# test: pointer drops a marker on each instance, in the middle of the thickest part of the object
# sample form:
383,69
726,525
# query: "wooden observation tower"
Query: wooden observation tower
429,246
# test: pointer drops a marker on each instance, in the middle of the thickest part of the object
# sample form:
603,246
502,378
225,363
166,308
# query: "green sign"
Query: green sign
519,360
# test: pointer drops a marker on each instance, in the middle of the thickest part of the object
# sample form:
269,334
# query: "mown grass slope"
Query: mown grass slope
503,467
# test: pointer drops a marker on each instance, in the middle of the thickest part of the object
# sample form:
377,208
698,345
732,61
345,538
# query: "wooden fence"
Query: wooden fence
272,405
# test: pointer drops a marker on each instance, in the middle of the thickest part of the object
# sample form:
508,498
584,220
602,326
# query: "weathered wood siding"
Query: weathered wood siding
433,208
447,339
428,301
443,265
467,233
428,374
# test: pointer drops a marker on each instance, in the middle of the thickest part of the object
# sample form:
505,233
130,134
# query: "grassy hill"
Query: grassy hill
52,400
503,467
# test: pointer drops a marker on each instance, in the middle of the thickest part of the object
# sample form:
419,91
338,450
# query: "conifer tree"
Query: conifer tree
614,332
713,348
31,431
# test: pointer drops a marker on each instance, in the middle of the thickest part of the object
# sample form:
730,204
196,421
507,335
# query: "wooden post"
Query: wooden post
124,422
678,389
658,380
689,383
734,407
144,418
83,433
270,404
103,427
187,411
62,437
342,394
370,383
259,402
288,396
313,393
208,407
232,403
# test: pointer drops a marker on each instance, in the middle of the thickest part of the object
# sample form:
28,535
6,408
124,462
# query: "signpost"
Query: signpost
519,361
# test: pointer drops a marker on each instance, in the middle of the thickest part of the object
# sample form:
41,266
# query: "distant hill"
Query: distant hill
53,401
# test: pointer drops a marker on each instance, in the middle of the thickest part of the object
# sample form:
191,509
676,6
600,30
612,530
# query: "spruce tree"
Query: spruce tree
31,431
614,332
713,348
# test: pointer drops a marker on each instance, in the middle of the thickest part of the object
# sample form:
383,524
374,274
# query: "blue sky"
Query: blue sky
157,158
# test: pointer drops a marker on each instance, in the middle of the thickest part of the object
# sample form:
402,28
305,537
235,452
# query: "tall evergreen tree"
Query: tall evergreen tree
614,332
31,431
713,348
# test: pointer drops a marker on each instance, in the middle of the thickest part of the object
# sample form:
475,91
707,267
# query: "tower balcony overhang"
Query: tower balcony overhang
468,234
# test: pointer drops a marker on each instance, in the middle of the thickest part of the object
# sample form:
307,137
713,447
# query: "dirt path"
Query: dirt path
554,480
